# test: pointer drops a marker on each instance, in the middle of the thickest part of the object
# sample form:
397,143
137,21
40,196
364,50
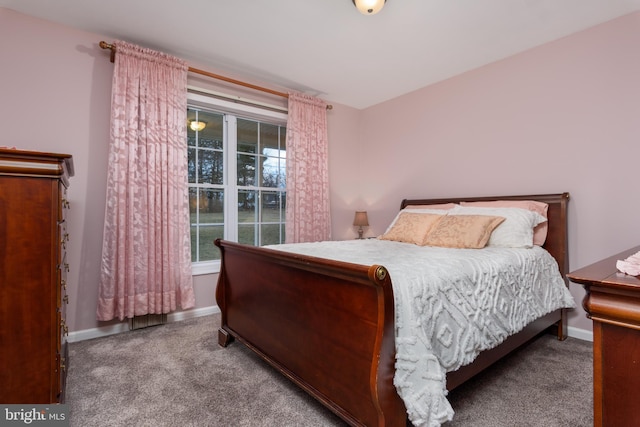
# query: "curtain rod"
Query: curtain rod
112,47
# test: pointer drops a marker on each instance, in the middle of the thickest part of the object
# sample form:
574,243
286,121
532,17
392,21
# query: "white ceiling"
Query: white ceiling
327,48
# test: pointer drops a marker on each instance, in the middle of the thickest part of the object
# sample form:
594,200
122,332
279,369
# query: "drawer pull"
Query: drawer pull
65,328
66,299
65,238
64,284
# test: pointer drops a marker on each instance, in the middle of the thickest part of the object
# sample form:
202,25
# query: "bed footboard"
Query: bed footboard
327,325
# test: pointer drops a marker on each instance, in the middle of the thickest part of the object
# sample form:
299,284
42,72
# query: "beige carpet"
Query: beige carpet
177,375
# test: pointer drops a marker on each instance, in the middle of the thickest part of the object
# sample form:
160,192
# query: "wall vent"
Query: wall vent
146,320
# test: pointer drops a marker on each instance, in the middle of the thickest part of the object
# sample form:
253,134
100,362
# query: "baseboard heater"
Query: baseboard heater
146,320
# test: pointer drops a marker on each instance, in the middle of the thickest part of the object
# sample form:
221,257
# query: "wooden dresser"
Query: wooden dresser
613,303
33,271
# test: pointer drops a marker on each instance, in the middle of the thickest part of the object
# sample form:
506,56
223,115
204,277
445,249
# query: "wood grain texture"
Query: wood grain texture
32,298
612,301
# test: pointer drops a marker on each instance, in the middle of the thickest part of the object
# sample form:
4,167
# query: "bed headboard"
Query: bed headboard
557,242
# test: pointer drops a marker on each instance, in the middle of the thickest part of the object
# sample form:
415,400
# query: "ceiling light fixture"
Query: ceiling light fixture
197,126
369,7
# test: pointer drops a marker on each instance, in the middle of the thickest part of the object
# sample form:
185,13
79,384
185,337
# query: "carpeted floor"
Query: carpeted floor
177,375
548,383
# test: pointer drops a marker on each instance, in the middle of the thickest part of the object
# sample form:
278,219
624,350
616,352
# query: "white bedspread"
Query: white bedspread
450,305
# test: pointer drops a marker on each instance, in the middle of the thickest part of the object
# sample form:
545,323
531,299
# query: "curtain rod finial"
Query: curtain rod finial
106,45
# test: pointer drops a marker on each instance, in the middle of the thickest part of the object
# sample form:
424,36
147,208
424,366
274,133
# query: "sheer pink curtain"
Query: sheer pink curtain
146,257
307,214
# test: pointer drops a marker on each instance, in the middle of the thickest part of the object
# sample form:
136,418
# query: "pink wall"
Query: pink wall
55,97
561,117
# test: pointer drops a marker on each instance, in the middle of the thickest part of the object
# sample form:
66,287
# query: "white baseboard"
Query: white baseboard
192,314
581,334
104,331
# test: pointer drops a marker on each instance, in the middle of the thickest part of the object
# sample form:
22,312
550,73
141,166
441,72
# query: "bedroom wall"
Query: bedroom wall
55,95
561,117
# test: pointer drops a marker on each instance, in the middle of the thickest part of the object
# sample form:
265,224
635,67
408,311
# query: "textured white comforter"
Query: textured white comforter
451,304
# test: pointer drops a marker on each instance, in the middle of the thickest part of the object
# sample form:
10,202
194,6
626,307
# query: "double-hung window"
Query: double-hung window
237,179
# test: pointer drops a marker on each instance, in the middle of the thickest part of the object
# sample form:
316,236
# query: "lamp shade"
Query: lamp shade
369,7
361,219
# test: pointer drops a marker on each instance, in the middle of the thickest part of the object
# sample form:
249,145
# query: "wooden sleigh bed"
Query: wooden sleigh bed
301,314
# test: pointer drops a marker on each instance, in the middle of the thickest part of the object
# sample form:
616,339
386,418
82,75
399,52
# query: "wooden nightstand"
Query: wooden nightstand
613,303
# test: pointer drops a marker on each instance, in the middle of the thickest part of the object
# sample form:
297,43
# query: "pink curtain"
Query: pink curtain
146,255
307,213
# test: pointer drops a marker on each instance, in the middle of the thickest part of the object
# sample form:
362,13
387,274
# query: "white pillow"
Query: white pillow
515,232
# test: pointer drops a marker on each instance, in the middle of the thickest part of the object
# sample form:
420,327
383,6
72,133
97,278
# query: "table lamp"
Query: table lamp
360,221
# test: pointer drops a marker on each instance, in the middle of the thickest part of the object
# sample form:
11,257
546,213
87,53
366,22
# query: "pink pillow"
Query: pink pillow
411,227
462,231
539,231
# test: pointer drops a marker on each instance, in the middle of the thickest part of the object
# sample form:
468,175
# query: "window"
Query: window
237,179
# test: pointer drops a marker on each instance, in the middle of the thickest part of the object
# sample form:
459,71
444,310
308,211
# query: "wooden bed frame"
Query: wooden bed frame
329,326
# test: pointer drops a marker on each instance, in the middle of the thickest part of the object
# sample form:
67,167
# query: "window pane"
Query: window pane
271,206
210,167
194,243
271,172
268,137
246,170
270,234
205,155
207,235
193,205
247,136
191,164
282,174
206,208
247,234
247,206
211,206
211,136
191,134
283,138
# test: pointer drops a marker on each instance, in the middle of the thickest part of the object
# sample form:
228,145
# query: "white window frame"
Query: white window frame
239,110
